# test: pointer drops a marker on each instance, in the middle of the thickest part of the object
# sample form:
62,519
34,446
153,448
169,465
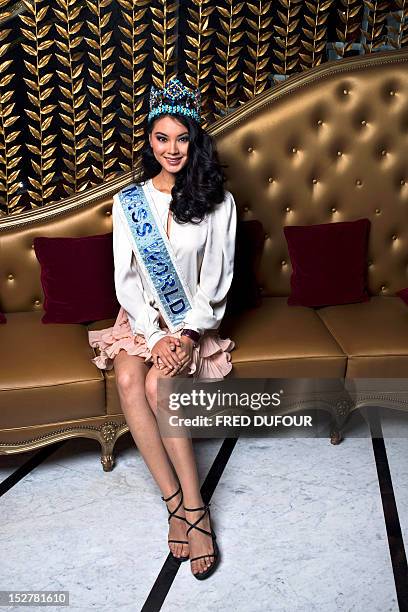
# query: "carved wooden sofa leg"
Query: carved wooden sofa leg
107,457
109,434
340,414
335,436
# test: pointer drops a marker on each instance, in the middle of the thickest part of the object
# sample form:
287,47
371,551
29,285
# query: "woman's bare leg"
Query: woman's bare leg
130,373
180,451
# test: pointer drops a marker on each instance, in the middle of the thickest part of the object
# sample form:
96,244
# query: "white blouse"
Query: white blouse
204,254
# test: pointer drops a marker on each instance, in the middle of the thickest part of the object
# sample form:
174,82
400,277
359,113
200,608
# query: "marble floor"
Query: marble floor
300,525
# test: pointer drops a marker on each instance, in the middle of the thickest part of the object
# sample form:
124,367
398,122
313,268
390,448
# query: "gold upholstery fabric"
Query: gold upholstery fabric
47,375
373,334
113,405
276,340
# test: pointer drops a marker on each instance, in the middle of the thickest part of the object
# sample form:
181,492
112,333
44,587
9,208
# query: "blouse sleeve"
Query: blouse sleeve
217,269
131,294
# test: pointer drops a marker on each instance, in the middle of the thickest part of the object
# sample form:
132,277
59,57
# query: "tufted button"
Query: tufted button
271,180
364,122
283,262
377,211
319,122
383,287
314,181
108,213
394,236
36,302
294,150
339,153
250,149
358,182
288,209
10,277
333,209
383,152
246,209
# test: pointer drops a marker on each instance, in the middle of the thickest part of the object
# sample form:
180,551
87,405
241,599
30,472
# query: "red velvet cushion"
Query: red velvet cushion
2,318
77,277
329,263
403,294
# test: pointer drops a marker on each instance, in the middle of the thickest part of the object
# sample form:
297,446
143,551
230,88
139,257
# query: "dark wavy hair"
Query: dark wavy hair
199,185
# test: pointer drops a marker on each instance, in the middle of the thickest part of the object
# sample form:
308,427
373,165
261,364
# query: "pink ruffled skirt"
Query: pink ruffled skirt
211,358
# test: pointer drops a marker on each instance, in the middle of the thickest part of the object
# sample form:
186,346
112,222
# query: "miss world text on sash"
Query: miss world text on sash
152,251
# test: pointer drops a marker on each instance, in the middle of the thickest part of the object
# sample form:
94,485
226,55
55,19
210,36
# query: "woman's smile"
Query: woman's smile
170,141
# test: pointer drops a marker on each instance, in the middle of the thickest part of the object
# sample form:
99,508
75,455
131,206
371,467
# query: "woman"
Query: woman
178,281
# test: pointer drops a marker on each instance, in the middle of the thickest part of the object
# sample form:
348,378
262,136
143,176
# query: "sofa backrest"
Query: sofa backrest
328,145
20,285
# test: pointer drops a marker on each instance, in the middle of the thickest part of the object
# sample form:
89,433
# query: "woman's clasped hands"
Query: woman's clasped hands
172,355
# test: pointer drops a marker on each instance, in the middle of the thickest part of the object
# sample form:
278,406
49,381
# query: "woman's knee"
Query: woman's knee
129,380
151,391
124,381
152,383
154,392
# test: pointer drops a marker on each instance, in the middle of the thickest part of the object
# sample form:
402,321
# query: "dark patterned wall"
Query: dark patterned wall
75,74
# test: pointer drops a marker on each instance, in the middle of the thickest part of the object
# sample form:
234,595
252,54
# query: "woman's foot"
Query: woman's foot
200,543
177,528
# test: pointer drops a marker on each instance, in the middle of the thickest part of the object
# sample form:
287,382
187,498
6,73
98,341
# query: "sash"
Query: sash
155,257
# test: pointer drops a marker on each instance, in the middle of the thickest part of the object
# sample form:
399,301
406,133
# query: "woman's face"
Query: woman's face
169,140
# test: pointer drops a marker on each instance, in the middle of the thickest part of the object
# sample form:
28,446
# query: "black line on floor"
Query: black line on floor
28,466
392,523
211,481
164,580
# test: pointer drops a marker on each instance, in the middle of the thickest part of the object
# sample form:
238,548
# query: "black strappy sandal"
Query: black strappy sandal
216,553
173,513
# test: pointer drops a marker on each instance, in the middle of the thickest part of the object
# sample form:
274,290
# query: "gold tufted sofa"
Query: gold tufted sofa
328,145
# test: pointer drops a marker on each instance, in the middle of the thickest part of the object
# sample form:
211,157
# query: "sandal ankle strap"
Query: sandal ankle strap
205,507
166,499
180,503
194,525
